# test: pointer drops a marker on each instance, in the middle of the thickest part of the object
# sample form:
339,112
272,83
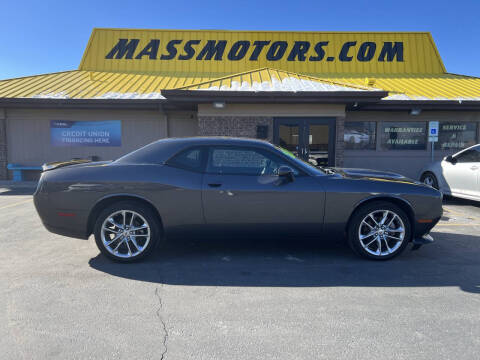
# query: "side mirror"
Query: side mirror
286,172
451,159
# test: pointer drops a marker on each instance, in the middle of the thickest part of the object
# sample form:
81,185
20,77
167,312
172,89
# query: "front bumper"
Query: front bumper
422,240
422,235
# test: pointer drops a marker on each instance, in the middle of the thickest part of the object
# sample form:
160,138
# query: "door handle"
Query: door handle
214,185
474,167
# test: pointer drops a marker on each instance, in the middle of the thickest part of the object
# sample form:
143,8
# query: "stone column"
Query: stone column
339,143
3,145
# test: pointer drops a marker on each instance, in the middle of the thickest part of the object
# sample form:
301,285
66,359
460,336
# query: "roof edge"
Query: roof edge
435,49
463,105
264,31
87,49
82,103
206,96
310,77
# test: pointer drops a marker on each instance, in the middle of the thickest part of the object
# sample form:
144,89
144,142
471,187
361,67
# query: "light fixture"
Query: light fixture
415,112
219,104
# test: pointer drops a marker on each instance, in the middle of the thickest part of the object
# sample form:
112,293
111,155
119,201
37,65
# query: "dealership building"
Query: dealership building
351,99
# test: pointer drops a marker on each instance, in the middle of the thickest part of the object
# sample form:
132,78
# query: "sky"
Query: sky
40,37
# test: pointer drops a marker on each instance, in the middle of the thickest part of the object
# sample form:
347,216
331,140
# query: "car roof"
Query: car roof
215,140
476,146
163,149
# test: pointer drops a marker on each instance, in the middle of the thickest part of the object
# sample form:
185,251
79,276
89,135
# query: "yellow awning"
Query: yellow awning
78,84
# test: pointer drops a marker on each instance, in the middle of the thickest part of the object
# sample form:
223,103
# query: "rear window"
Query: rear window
155,153
190,159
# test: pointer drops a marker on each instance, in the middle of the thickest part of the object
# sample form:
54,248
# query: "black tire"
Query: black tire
429,175
361,213
145,215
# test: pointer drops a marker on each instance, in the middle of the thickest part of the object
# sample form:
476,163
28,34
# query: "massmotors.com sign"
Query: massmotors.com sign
219,50
86,133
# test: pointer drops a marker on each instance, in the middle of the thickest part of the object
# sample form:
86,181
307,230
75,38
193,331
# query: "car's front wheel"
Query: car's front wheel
379,231
126,231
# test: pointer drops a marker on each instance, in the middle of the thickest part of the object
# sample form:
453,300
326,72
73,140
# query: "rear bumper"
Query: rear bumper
55,220
66,232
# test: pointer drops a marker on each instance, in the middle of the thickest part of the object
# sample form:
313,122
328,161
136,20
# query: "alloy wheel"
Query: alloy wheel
125,233
381,232
428,180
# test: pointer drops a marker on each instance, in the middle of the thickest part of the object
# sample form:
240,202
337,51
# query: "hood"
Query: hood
378,175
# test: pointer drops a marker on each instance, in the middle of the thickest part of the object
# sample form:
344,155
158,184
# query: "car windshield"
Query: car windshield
301,162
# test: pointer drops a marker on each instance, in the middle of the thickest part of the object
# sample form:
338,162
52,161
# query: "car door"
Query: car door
241,191
462,174
179,195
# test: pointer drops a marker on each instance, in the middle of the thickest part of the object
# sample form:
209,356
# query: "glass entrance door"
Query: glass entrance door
312,139
319,149
289,136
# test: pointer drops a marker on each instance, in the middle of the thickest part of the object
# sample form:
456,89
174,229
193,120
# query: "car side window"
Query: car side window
244,161
471,155
190,159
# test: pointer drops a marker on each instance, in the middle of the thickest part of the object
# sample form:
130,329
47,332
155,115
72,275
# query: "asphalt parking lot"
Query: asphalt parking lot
237,298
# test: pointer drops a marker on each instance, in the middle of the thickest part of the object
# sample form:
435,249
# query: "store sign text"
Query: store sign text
85,133
220,50
403,141
449,127
403,130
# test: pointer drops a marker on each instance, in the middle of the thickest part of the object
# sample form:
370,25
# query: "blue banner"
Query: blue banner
86,133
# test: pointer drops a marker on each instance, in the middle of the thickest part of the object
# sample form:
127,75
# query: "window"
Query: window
244,161
190,159
471,155
456,135
403,135
360,135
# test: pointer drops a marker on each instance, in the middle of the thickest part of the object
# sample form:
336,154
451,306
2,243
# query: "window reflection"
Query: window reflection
360,135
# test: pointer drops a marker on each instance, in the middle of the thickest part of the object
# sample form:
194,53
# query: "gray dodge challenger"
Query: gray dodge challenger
231,185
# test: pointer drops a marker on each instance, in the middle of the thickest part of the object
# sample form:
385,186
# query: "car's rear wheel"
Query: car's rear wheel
379,231
126,231
429,179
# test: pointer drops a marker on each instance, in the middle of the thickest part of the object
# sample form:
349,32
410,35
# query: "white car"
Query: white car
356,137
456,175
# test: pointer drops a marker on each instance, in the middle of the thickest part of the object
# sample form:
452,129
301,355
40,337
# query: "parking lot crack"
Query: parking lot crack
162,321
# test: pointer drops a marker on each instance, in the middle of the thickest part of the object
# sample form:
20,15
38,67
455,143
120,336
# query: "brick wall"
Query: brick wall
240,126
